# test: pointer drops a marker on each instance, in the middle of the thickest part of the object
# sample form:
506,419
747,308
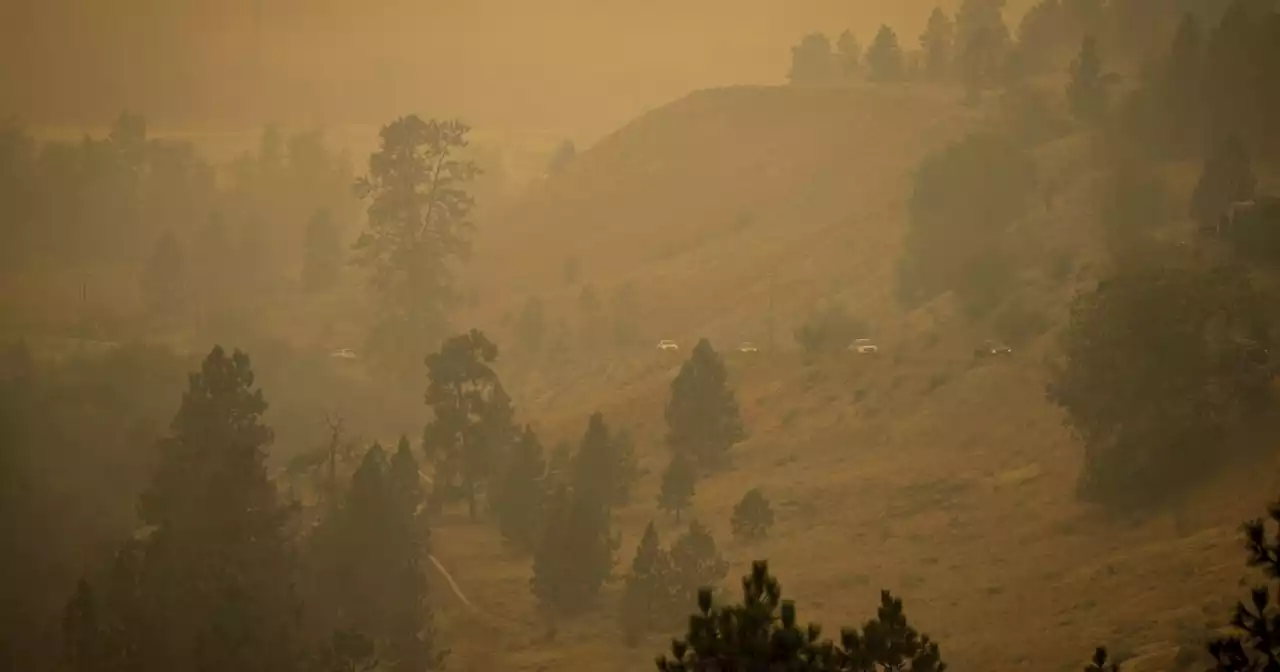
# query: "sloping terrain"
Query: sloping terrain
947,481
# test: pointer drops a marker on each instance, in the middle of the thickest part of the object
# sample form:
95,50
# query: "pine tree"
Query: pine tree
848,55
519,492
937,42
1227,177
812,61
695,563
419,218
702,416
370,554
604,468
678,483
646,597
884,56
322,257
763,633
215,573
1087,90
753,516
575,554
471,423
405,480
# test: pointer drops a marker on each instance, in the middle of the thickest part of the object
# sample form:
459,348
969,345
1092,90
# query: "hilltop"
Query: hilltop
949,482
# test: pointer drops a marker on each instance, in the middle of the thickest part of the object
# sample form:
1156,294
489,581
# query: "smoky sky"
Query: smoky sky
519,64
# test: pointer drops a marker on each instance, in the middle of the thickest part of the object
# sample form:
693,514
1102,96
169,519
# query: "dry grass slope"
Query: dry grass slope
950,483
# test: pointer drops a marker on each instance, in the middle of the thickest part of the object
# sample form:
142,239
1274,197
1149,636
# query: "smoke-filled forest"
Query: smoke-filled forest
839,337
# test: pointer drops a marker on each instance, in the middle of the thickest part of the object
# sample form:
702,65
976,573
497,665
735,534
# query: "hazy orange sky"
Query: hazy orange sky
573,65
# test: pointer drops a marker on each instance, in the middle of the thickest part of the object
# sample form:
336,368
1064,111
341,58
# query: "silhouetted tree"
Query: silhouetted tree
1159,362
752,517
575,554
1258,645
884,56
703,422
812,62
848,55
678,483
210,584
604,468
762,633
405,480
471,422
519,491
322,260
369,556
418,225
695,563
937,42
646,596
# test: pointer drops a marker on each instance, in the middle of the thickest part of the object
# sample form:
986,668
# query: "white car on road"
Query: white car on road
748,347
864,346
343,353
667,345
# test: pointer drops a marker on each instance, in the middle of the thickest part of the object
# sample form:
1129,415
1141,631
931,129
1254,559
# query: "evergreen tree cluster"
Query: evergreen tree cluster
663,582
763,633
1209,82
210,582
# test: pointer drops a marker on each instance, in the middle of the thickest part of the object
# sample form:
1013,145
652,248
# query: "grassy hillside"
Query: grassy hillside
949,482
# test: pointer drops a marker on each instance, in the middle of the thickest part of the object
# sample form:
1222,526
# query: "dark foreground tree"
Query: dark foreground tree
209,583
703,422
762,633
419,224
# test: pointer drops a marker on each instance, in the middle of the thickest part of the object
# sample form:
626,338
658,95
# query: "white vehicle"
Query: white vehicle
864,346
748,346
667,345
343,353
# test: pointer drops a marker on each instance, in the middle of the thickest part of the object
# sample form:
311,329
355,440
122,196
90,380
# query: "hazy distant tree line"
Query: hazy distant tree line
114,199
1201,67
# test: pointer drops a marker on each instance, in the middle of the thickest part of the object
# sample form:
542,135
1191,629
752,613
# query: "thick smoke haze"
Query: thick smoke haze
566,65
